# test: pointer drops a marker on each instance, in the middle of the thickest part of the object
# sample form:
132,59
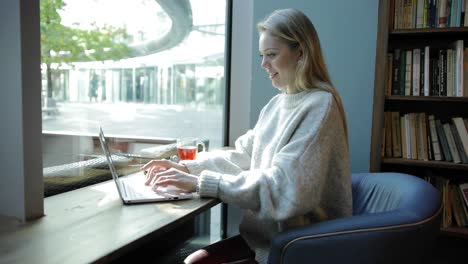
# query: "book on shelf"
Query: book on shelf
416,72
457,63
442,63
458,144
460,212
409,14
454,207
447,156
442,13
388,134
414,127
396,136
462,132
395,88
422,137
464,15
428,71
405,149
434,139
420,14
464,190
451,143
408,72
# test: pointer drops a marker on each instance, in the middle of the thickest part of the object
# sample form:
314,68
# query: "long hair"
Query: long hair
296,30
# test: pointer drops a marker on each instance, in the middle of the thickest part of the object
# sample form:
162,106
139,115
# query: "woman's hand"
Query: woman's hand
177,178
172,173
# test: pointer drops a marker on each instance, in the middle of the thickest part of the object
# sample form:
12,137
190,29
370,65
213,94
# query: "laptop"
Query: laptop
131,188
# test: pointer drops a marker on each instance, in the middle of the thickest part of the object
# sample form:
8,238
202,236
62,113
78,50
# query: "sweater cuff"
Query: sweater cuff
192,166
208,184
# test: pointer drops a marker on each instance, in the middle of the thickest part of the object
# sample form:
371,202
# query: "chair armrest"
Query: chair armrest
371,238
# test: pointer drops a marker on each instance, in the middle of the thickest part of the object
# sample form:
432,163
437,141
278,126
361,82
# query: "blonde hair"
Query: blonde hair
296,30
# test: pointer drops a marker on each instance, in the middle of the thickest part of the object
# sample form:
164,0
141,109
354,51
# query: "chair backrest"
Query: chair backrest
396,220
407,211
385,192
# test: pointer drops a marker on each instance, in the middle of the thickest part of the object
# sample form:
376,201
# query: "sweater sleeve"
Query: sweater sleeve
226,161
315,157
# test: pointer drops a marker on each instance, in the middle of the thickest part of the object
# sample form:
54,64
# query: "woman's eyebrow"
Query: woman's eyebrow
268,49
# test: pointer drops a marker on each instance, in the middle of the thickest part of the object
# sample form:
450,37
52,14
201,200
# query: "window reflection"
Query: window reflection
169,84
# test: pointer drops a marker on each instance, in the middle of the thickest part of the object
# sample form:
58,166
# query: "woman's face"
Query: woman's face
279,61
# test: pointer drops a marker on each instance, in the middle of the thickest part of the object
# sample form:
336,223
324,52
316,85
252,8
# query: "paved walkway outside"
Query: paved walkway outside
138,119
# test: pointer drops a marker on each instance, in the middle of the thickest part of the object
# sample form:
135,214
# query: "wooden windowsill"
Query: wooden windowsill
91,225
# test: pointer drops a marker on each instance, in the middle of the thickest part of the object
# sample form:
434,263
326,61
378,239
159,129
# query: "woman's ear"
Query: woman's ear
300,57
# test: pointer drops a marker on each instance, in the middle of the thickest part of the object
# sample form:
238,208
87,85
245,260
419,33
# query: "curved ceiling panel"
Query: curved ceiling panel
180,12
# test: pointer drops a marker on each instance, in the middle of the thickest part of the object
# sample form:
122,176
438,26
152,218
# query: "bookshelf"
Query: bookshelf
443,107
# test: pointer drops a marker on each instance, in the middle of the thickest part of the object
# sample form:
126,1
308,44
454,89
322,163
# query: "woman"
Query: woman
292,168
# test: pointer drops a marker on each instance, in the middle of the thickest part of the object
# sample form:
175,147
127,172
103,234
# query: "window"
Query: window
147,73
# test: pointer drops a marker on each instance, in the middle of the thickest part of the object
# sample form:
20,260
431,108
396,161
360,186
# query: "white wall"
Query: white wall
20,111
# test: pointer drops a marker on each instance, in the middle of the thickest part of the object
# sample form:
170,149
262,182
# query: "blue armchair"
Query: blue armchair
396,219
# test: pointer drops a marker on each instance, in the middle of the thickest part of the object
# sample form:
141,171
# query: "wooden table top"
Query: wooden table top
91,225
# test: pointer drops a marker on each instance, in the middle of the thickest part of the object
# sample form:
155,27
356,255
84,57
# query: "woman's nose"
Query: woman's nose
265,62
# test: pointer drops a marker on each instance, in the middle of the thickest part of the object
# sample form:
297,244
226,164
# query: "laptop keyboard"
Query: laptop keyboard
133,194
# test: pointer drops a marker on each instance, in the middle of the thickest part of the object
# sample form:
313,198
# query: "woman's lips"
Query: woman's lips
272,75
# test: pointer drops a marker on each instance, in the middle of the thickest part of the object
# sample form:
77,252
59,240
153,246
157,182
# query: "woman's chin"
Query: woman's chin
279,87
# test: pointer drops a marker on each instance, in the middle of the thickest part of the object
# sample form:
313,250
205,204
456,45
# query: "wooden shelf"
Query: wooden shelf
432,31
422,163
450,99
455,231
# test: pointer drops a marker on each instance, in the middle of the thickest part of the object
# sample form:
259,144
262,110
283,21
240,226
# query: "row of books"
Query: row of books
428,71
454,200
409,14
421,136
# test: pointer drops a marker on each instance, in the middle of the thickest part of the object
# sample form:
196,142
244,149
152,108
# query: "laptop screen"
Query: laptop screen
106,150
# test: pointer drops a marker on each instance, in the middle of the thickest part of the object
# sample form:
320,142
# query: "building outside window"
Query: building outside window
146,71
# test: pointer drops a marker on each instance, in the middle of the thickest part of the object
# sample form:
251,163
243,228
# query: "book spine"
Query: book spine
442,14
396,72
443,72
451,143
458,144
402,72
423,136
427,86
404,149
420,14
388,83
462,132
459,64
443,141
408,136
434,140
388,135
396,137
416,71
408,74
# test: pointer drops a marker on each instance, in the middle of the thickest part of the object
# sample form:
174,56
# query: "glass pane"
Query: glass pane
147,71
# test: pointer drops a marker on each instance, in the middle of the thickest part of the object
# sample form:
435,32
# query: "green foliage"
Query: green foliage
62,44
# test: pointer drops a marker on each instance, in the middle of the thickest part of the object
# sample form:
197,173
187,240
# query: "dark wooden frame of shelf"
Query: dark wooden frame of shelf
422,163
426,98
379,80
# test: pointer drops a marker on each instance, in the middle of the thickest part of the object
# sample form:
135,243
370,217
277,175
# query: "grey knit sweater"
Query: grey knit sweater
291,170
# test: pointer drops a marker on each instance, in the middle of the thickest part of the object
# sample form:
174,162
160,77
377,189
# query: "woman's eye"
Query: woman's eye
271,55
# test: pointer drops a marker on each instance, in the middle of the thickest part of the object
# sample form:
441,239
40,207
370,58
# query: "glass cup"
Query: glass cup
187,147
